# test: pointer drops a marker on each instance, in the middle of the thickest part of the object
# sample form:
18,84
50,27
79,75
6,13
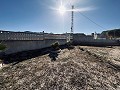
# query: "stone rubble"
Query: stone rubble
81,68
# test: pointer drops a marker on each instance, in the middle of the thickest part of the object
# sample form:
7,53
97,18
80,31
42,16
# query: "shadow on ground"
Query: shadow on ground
22,56
53,55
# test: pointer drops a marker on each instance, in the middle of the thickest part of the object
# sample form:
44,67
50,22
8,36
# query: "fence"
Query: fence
24,41
7,35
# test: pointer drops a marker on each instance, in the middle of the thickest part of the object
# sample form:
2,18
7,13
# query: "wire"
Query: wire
91,20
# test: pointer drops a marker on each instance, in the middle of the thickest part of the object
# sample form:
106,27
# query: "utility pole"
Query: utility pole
72,19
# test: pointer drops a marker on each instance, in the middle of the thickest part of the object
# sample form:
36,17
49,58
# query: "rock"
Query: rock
115,63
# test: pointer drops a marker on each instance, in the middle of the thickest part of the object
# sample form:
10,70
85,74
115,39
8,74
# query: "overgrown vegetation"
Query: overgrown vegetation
113,33
70,46
55,45
2,46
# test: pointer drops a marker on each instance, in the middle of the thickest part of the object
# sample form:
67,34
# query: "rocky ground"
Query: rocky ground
81,68
110,55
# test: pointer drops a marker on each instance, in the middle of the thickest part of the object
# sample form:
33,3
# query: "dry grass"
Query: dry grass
74,69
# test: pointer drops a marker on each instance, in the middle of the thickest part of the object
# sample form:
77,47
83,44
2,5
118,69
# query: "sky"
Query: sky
43,15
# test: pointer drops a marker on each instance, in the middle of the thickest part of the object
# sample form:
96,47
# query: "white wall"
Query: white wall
24,45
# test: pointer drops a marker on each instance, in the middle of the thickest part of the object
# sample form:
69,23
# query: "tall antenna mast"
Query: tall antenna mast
72,19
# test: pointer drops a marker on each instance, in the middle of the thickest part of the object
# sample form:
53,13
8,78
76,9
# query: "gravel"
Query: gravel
81,68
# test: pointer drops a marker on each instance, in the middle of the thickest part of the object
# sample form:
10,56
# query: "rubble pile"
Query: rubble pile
106,54
75,69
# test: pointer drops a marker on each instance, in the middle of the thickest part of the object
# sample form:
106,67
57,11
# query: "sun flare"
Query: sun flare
62,10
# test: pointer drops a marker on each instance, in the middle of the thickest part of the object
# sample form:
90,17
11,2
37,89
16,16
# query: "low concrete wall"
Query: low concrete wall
95,42
14,46
89,40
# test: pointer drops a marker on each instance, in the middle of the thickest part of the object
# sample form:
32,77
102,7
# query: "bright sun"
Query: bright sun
62,9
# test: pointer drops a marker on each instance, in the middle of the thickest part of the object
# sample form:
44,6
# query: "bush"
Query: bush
55,45
2,47
70,46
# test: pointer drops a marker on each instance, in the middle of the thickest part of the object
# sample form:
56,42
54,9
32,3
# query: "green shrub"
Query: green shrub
2,47
55,45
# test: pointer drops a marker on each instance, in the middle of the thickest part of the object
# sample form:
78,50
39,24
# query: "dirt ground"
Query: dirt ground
81,68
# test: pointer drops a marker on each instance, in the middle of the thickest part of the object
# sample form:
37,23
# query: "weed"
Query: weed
2,47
